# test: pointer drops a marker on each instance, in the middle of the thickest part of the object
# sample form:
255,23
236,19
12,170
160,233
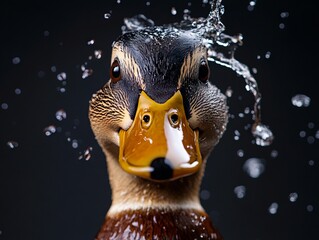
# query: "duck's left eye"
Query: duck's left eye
115,72
203,71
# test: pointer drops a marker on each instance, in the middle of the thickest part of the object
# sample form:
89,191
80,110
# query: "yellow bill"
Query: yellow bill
160,145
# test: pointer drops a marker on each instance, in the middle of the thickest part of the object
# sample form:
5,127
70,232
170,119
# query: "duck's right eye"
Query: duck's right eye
115,72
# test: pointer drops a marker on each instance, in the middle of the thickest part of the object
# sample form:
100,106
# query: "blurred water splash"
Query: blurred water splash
254,167
300,100
240,191
12,144
273,208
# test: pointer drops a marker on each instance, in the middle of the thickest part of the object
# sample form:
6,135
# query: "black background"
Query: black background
47,192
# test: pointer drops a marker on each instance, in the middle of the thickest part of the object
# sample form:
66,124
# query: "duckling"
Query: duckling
157,120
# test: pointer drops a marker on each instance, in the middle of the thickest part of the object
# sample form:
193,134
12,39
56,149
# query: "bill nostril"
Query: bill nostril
146,120
161,169
174,118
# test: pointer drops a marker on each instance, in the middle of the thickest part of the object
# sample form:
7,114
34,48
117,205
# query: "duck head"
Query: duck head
158,115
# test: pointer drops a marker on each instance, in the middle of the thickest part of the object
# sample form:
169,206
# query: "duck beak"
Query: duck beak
160,145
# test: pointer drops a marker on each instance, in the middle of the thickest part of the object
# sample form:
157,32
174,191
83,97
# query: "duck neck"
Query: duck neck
130,192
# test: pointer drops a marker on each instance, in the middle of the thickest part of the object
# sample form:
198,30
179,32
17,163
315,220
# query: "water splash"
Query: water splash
221,50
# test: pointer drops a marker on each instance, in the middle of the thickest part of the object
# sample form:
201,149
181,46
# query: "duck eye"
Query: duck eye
203,72
115,72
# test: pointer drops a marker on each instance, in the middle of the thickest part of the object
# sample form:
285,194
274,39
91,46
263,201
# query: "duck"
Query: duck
157,119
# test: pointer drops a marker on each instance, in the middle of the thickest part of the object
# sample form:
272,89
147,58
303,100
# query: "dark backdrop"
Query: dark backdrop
47,191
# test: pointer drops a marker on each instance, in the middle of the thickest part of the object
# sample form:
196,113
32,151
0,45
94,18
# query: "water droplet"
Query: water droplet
281,25
61,89
311,125
60,115
310,139
91,42
87,153
118,1
240,191
302,134
12,144
251,5
284,14
262,134
61,76
229,92
309,208
311,162
17,91
273,208
267,55
46,33
53,68
300,100
148,3
173,11
274,153
293,197
317,134
86,72
186,15
240,153
98,54
41,74
16,60
4,106
204,194
237,135
254,167
75,143
107,15
48,131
